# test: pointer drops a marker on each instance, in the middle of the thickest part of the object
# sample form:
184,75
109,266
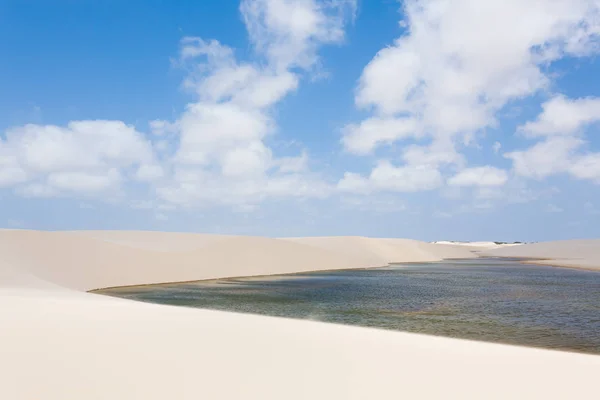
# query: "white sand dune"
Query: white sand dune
58,342
86,261
478,245
567,253
386,251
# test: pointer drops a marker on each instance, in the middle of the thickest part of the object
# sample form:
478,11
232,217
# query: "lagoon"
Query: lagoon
493,300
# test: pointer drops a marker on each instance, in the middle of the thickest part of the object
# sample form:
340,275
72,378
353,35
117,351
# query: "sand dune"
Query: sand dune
88,261
386,250
568,253
478,245
157,241
91,260
58,342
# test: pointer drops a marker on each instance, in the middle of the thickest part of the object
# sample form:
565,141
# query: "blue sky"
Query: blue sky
431,120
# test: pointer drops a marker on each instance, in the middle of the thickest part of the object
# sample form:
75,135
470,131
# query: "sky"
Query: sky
430,119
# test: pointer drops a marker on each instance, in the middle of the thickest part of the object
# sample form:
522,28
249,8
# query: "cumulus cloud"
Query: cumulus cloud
545,158
456,79
387,177
457,66
216,151
84,157
432,92
11,175
223,154
289,33
363,138
149,172
561,127
586,167
563,116
479,176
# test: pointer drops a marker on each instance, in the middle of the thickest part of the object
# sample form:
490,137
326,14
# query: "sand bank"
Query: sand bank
58,342
566,253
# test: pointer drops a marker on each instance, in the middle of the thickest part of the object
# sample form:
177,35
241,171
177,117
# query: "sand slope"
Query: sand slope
570,253
76,347
92,260
386,250
57,342
87,261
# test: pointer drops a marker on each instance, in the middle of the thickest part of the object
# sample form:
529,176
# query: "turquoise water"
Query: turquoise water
488,300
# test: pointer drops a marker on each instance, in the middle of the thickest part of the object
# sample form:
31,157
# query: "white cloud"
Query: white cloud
193,187
84,181
292,164
84,157
366,136
586,167
387,177
223,156
352,182
149,172
246,162
458,63
437,154
544,158
406,178
208,131
436,88
560,125
514,191
288,33
160,128
556,156
479,176
216,151
37,190
10,176
457,66
563,116
222,78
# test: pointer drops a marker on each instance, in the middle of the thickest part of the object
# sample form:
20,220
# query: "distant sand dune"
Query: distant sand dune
58,342
569,253
386,250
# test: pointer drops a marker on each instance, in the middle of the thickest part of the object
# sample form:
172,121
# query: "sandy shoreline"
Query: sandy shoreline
580,254
244,277
559,264
524,260
57,341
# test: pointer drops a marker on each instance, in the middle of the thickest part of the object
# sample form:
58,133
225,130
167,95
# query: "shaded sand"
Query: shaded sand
57,342
565,253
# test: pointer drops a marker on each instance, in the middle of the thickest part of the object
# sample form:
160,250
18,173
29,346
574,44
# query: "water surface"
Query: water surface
490,300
